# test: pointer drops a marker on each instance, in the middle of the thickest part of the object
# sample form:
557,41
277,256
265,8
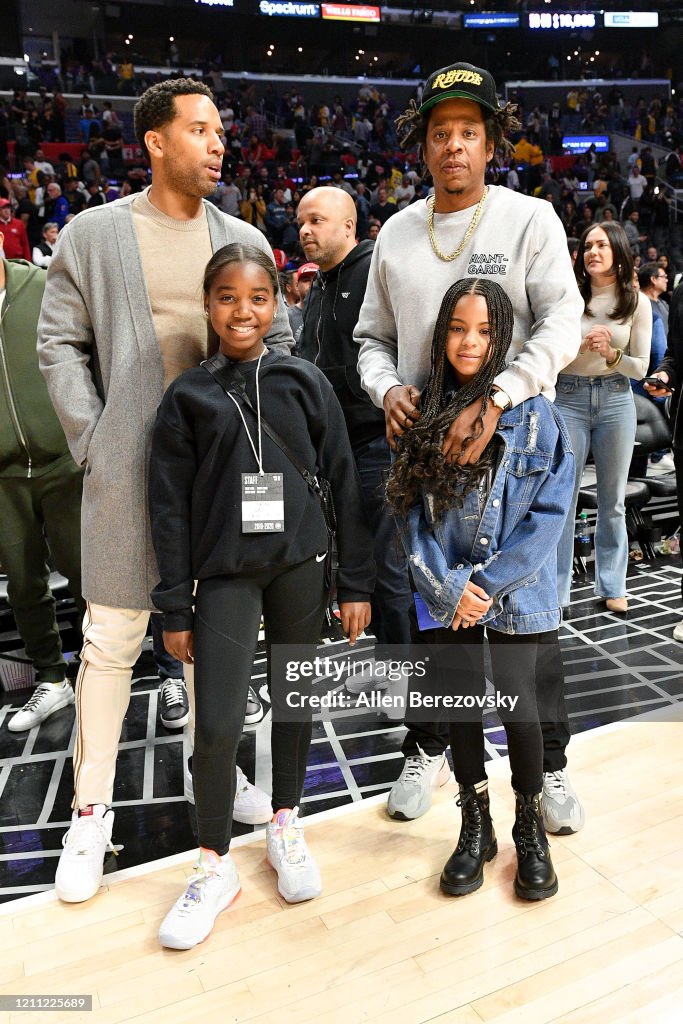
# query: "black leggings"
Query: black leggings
227,615
513,661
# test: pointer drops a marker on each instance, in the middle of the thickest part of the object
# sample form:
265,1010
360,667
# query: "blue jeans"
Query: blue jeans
392,598
168,667
600,416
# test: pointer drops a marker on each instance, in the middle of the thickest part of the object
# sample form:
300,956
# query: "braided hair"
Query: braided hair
420,466
411,129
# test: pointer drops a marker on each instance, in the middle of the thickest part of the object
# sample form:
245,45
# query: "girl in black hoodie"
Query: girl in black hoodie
253,553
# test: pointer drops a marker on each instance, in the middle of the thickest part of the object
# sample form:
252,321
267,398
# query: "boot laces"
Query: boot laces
528,836
470,830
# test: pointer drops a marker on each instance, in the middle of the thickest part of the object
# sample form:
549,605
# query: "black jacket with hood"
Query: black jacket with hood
326,339
673,364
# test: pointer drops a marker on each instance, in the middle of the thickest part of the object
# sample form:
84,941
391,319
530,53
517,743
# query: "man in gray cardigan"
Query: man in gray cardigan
121,318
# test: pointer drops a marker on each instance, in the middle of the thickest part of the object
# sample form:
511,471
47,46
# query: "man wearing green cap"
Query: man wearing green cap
470,229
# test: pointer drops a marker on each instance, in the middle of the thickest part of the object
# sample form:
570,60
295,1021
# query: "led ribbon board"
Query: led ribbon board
563,19
350,12
631,19
289,9
490,19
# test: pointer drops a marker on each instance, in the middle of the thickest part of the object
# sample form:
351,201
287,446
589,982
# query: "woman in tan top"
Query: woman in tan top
594,396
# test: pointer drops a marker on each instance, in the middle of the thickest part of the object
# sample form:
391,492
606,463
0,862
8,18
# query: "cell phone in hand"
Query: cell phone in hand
655,382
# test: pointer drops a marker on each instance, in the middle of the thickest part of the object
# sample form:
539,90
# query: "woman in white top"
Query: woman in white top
595,399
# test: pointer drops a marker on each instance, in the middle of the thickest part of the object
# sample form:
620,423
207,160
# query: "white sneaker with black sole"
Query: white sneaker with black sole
298,876
254,709
192,917
174,705
252,806
561,808
81,864
411,794
678,632
46,699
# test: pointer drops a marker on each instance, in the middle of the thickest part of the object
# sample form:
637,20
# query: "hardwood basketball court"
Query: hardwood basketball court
383,944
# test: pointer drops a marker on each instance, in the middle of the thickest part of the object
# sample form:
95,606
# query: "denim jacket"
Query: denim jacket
506,541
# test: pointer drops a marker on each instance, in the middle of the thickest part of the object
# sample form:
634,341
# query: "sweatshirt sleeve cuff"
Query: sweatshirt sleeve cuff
349,596
180,621
513,386
379,389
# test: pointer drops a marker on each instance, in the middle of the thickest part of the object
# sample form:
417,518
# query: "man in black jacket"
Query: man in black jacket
327,232
671,372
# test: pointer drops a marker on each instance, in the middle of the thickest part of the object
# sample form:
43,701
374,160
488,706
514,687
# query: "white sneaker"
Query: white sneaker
561,808
678,633
252,806
361,682
191,918
411,794
45,700
665,463
80,868
298,877
174,704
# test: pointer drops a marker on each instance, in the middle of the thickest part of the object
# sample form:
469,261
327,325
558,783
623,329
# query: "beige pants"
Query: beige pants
112,641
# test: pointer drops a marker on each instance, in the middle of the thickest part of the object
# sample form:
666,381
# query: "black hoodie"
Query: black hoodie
326,339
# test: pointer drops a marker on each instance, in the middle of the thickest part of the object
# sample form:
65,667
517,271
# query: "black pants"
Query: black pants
392,598
227,615
39,517
678,466
457,658
433,737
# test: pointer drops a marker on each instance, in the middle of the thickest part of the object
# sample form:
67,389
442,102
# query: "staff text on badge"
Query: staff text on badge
263,505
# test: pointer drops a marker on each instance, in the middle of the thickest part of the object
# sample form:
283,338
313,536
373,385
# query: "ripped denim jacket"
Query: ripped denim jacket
508,546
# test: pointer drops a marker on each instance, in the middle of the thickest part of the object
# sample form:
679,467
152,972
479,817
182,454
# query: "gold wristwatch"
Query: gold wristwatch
500,399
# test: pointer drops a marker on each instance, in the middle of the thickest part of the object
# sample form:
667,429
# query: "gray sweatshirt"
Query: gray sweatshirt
520,241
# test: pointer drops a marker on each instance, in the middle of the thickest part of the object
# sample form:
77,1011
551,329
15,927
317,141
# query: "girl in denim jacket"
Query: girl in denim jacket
481,540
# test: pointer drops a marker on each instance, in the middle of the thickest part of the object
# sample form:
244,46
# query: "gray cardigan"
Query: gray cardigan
101,361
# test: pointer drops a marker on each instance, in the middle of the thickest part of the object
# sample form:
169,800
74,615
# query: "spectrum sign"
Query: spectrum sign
289,9
350,12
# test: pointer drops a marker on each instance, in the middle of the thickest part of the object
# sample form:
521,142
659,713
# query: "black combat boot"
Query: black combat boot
464,870
536,878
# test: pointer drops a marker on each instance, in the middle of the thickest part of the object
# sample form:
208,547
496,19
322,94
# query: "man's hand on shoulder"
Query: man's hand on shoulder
468,425
400,410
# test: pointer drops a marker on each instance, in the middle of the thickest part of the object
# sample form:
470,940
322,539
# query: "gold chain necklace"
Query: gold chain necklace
468,234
